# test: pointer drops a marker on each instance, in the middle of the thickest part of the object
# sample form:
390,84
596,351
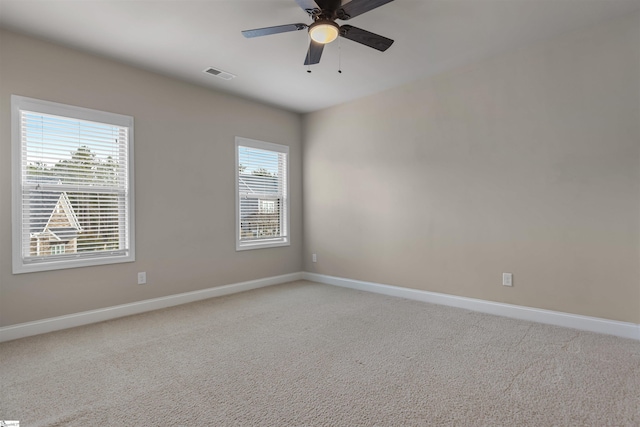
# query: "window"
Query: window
58,249
72,186
262,206
267,206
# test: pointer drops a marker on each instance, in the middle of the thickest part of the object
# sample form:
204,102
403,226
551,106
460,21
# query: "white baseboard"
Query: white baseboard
84,318
585,323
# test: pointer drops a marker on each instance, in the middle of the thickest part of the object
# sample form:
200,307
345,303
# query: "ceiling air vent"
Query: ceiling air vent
219,73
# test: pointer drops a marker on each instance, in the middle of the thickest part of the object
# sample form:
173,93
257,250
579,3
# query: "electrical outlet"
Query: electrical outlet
507,279
142,278
314,258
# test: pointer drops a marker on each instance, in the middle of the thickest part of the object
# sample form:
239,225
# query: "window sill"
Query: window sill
245,246
20,267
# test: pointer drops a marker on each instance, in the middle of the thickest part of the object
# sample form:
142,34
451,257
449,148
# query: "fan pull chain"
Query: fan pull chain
339,56
309,55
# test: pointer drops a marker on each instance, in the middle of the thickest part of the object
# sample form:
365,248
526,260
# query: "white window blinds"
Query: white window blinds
262,193
74,192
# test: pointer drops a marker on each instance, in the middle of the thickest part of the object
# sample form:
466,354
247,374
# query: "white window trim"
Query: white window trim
285,225
55,249
262,203
19,103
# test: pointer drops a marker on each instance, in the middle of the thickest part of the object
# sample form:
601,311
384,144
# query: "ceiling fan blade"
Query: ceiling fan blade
358,7
308,5
315,7
273,30
314,53
365,37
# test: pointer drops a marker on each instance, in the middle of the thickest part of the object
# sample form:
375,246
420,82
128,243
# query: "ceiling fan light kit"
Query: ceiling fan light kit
324,29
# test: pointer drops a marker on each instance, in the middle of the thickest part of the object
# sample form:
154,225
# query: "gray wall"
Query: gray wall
184,159
526,163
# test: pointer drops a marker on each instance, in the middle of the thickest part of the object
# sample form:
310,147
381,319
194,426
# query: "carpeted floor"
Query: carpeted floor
306,354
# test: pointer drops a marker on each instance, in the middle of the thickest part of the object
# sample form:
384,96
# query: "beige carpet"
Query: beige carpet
305,354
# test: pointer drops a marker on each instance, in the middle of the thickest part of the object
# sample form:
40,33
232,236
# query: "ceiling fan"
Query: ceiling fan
324,29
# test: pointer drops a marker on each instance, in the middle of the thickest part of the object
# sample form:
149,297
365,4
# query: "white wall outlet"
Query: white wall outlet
314,258
142,278
507,279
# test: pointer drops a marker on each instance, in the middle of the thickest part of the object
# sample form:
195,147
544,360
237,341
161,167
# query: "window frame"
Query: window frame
22,103
285,216
58,249
263,204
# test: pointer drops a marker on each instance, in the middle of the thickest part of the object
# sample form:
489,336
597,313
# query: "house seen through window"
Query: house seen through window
262,208
74,186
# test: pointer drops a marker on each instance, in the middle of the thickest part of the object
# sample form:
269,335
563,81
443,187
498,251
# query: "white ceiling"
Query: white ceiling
181,38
